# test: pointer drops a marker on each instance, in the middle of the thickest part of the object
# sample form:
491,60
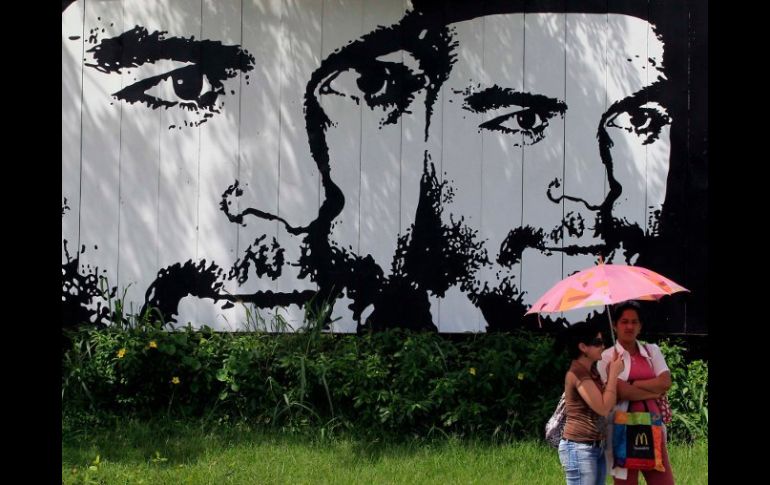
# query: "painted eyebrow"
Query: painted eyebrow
137,46
495,97
651,93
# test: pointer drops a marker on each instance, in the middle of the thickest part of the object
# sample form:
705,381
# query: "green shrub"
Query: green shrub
688,395
395,382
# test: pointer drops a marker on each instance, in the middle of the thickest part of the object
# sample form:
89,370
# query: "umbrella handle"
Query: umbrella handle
609,318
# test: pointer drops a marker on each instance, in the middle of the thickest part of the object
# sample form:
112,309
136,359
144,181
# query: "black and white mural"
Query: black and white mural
428,165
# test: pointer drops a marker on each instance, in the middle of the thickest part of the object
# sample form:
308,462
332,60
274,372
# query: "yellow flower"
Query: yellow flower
472,370
520,376
175,380
153,344
121,353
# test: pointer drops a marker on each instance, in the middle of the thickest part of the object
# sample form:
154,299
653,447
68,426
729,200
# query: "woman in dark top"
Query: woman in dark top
581,449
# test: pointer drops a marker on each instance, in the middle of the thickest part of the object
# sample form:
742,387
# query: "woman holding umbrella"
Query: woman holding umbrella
581,449
644,378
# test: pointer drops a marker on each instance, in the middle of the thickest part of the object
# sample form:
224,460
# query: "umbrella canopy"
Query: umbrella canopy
605,284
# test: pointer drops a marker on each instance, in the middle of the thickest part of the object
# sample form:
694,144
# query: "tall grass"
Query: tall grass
198,452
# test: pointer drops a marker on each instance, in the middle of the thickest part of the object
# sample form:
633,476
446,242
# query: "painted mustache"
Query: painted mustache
521,238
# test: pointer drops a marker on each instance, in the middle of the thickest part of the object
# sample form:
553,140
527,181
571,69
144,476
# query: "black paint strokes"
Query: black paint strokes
422,265
257,254
433,255
528,116
197,83
517,241
228,199
86,294
430,258
179,281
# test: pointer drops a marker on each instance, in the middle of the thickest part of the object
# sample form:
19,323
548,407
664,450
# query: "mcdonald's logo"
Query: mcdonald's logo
641,439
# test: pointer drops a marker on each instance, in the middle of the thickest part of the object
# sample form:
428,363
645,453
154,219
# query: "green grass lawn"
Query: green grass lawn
173,452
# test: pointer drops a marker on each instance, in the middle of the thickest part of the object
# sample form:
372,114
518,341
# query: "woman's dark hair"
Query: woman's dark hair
617,310
579,333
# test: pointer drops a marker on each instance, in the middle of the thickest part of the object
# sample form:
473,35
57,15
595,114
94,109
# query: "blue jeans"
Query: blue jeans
583,464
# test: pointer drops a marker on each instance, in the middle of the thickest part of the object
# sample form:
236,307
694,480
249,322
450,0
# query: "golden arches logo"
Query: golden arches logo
641,440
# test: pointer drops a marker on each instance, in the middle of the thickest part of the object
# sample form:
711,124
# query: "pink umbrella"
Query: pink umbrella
605,284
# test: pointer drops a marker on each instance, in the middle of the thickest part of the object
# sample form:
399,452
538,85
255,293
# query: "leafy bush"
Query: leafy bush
688,394
394,382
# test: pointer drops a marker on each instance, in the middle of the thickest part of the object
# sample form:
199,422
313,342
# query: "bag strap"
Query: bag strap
649,357
647,349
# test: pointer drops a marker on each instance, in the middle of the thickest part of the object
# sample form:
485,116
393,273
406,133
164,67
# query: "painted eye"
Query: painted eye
530,123
526,120
382,83
645,121
186,86
170,71
524,115
375,83
388,83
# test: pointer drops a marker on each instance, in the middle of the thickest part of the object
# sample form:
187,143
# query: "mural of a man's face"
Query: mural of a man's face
148,95
548,158
439,169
